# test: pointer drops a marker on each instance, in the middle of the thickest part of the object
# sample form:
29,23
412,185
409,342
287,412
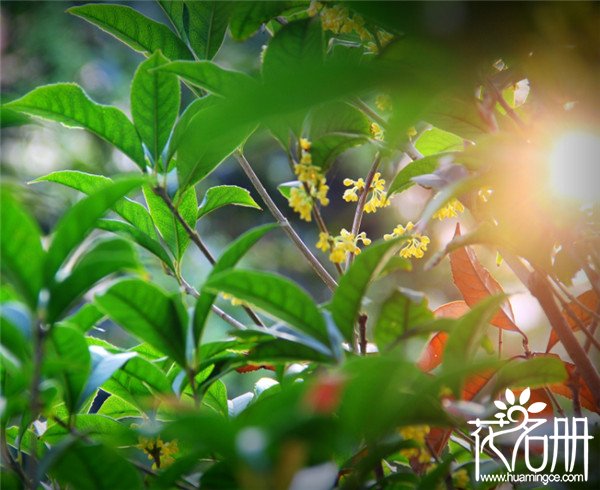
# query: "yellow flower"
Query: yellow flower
351,195
323,243
346,243
376,131
416,433
415,246
161,453
314,8
379,197
460,479
301,202
232,299
332,19
321,194
383,102
450,210
305,144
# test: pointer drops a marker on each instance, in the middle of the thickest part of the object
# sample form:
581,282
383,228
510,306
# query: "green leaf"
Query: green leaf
437,140
20,248
91,467
216,398
137,381
285,189
401,311
105,258
182,124
207,26
143,240
347,298
457,116
84,318
426,165
174,11
209,76
96,427
155,99
294,47
247,17
535,372
68,104
87,183
72,362
104,364
10,118
334,128
223,195
228,259
168,225
465,338
81,218
148,313
117,408
274,294
198,154
140,33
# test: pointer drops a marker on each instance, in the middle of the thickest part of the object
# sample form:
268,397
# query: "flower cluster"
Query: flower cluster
232,299
376,131
460,478
383,102
337,19
314,187
378,198
450,210
161,453
341,245
415,246
416,433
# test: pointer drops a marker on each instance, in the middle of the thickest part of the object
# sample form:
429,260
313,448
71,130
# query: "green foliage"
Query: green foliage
68,104
154,103
134,29
223,195
107,376
275,295
148,313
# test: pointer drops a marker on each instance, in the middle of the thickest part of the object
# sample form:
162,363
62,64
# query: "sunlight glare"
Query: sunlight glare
575,166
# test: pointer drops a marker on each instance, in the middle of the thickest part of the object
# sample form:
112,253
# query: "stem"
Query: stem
507,108
569,311
360,205
284,223
362,333
540,288
162,193
35,407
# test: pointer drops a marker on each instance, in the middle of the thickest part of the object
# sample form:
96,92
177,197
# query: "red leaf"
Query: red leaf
591,301
254,367
432,355
475,383
475,283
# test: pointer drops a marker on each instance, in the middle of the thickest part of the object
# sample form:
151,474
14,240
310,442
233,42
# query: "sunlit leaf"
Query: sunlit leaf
247,17
134,29
223,195
576,314
207,25
68,104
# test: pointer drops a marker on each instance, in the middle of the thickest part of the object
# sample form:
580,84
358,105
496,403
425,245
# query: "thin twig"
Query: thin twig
573,299
507,108
567,308
284,223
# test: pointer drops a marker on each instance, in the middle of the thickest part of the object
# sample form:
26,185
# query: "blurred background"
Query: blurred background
40,43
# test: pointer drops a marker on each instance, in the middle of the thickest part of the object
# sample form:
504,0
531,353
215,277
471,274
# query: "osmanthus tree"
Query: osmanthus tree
470,100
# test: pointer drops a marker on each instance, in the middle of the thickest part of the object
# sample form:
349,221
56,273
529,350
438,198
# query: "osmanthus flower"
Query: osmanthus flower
451,210
158,451
341,245
416,244
376,131
460,479
314,186
416,433
383,102
378,197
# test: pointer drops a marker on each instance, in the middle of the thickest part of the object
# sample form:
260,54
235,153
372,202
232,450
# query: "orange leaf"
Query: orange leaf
475,383
590,300
586,397
475,283
431,357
